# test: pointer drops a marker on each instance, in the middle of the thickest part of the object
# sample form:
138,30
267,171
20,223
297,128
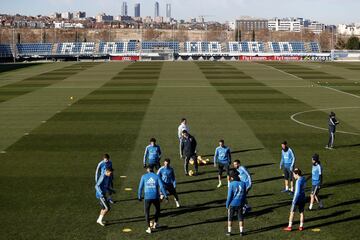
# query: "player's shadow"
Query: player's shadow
341,182
267,179
308,220
287,202
195,180
260,195
237,151
348,146
220,203
196,190
207,221
342,204
259,165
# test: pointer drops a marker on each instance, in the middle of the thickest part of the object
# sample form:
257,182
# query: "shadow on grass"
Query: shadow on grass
341,182
238,151
342,204
197,190
348,146
197,180
260,195
267,179
307,220
259,165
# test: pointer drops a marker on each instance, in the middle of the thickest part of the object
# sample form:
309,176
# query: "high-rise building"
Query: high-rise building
124,9
285,25
79,15
137,10
67,15
168,10
247,24
157,9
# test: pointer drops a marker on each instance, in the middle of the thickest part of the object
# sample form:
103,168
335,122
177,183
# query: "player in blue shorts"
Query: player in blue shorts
235,201
316,177
100,170
299,200
287,164
102,187
167,176
222,159
246,178
152,155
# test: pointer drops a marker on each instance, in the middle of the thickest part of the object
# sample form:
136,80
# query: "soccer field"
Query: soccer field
57,119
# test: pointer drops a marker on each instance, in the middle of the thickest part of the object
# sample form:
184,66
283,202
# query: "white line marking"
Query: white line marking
337,90
283,72
292,117
334,89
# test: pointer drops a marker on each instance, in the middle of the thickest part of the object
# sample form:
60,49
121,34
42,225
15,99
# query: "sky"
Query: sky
326,11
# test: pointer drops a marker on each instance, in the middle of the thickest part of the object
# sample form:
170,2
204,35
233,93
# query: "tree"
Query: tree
340,44
353,43
237,35
253,35
151,34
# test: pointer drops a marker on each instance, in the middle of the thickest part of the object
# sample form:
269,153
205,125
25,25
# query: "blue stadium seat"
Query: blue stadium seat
297,47
77,48
314,47
34,48
152,45
245,47
203,47
5,51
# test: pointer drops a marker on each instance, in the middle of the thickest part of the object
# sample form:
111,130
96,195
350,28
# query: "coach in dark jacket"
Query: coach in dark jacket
188,151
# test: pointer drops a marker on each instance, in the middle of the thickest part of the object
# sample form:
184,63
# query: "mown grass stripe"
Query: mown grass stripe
34,83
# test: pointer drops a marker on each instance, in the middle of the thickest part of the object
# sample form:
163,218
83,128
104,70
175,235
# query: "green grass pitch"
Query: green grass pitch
57,119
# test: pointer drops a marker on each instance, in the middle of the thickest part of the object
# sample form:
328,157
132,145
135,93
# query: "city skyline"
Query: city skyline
334,11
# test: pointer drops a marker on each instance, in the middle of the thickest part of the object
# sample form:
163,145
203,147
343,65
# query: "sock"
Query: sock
310,206
241,229
229,229
301,224
287,188
290,224
100,218
292,189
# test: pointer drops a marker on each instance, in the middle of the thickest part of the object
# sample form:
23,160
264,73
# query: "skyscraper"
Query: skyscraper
124,9
137,10
168,10
157,9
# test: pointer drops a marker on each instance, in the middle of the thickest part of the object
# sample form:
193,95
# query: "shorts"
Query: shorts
315,190
154,165
104,203
221,169
299,205
288,175
235,211
170,189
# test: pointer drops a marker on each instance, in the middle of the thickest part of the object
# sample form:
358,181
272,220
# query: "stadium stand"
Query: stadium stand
151,45
297,47
194,50
34,48
5,51
245,47
314,47
86,48
202,47
118,47
294,47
